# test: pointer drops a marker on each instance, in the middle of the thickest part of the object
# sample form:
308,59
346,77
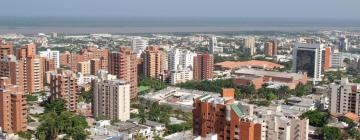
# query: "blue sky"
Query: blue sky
183,8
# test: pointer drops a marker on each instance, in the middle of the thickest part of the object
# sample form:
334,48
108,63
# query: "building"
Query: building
111,98
270,48
13,108
337,59
48,64
96,65
343,44
63,85
13,69
203,67
65,58
155,63
139,45
233,65
213,46
26,51
312,59
225,117
5,49
256,77
249,46
86,55
84,67
344,97
180,76
54,55
123,64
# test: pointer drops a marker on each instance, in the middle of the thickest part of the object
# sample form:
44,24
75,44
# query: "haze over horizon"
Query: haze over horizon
333,9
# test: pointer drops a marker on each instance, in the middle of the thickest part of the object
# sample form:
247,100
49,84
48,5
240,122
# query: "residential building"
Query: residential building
155,63
86,55
203,67
337,59
225,117
343,44
35,75
312,59
5,49
123,64
84,67
14,69
54,55
13,108
63,85
111,98
180,76
344,97
181,59
249,46
270,48
213,46
96,65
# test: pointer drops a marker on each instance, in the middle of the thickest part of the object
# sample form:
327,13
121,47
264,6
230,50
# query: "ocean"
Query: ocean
30,25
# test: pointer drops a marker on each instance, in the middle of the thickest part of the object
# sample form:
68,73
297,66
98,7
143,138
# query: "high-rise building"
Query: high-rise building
63,85
225,117
203,67
249,46
139,45
337,59
343,44
86,55
65,58
155,63
270,48
344,97
54,55
213,46
181,59
84,67
14,69
5,49
35,75
26,51
180,76
48,64
123,64
312,59
13,108
111,97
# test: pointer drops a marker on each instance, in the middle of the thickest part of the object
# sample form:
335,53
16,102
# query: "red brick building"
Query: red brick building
224,117
203,67
5,49
123,64
13,108
155,63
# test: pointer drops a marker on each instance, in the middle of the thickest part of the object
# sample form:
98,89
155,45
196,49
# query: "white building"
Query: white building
249,46
111,98
55,55
343,44
337,60
180,76
139,45
309,58
213,46
344,97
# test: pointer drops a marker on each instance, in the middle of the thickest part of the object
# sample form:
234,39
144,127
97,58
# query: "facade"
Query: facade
224,117
123,64
213,46
14,69
5,49
337,60
139,45
86,55
84,67
96,65
344,97
343,44
34,75
203,67
48,64
55,55
111,98
180,76
63,85
249,46
155,63
310,58
13,108
270,48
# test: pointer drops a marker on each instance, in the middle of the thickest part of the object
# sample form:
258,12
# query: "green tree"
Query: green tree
139,136
142,115
330,133
154,112
316,118
57,106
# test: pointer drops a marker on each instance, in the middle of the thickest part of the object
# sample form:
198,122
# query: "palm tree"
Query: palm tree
142,115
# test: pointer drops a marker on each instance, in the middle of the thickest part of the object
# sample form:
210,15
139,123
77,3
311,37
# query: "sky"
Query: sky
347,9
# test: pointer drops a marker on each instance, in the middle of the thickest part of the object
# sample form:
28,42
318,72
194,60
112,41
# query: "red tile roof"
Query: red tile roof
251,63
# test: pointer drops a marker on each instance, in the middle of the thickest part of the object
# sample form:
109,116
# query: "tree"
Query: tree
154,112
142,115
57,106
330,133
139,136
316,118
270,96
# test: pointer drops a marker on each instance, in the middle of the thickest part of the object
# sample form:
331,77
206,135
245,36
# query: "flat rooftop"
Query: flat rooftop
268,73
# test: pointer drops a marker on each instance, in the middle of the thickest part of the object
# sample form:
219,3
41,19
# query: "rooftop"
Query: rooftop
269,73
251,63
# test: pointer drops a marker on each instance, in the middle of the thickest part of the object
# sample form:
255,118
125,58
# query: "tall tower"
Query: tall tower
123,64
203,67
249,46
5,49
155,63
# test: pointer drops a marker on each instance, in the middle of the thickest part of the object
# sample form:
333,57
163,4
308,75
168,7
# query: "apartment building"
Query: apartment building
155,63
344,97
84,67
203,67
123,64
5,49
13,108
111,97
